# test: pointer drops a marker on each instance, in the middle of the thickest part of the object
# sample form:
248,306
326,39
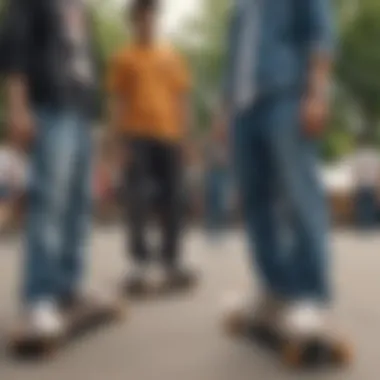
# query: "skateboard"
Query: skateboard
295,352
152,288
78,322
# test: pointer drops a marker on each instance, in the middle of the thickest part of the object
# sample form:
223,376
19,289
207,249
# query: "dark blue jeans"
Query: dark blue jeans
366,207
283,202
59,204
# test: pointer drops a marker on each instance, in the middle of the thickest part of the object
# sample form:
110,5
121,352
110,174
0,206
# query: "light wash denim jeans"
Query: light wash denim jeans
283,201
59,204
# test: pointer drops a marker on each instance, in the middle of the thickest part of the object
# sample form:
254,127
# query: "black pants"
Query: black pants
153,186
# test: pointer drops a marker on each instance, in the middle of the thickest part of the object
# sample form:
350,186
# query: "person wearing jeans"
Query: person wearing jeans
366,174
59,204
216,192
275,99
51,79
217,186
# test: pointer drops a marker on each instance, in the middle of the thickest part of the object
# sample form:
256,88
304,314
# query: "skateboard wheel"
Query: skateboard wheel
292,355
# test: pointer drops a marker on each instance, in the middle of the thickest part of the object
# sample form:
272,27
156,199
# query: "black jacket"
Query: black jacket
34,45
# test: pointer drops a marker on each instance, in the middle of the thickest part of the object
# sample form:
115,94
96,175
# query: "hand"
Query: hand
314,114
21,125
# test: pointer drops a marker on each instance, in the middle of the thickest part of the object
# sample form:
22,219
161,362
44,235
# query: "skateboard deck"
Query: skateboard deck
307,352
79,321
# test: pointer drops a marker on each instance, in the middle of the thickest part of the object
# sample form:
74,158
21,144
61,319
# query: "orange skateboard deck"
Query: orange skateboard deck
313,351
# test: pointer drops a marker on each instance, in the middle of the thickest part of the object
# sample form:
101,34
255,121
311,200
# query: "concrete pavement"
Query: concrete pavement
181,339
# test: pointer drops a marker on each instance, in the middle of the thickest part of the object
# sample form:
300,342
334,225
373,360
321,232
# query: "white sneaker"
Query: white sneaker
45,319
304,319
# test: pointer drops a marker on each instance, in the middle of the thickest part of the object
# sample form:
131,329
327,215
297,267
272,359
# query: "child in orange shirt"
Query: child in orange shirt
149,86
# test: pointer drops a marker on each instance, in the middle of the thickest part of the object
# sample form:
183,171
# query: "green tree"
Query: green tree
110,24
358,67
339,138
204,43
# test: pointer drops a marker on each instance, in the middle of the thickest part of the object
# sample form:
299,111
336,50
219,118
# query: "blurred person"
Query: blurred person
217,182
13,183
51,78
276,100
102,187
106,181
366,173
149,88
193,185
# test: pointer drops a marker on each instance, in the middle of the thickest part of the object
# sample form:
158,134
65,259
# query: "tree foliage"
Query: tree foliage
110,24
358,67
204,43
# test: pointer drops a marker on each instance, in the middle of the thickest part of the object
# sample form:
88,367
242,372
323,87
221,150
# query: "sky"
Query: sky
175,12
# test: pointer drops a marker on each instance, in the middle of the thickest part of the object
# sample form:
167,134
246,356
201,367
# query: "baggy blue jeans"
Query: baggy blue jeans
283,200
59,204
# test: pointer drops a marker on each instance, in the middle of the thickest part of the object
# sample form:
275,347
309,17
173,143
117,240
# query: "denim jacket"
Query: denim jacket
290,32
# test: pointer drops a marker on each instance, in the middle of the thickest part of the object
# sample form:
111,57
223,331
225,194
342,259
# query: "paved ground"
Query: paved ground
181,338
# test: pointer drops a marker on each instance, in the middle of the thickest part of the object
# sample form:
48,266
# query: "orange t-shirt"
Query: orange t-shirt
152,81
